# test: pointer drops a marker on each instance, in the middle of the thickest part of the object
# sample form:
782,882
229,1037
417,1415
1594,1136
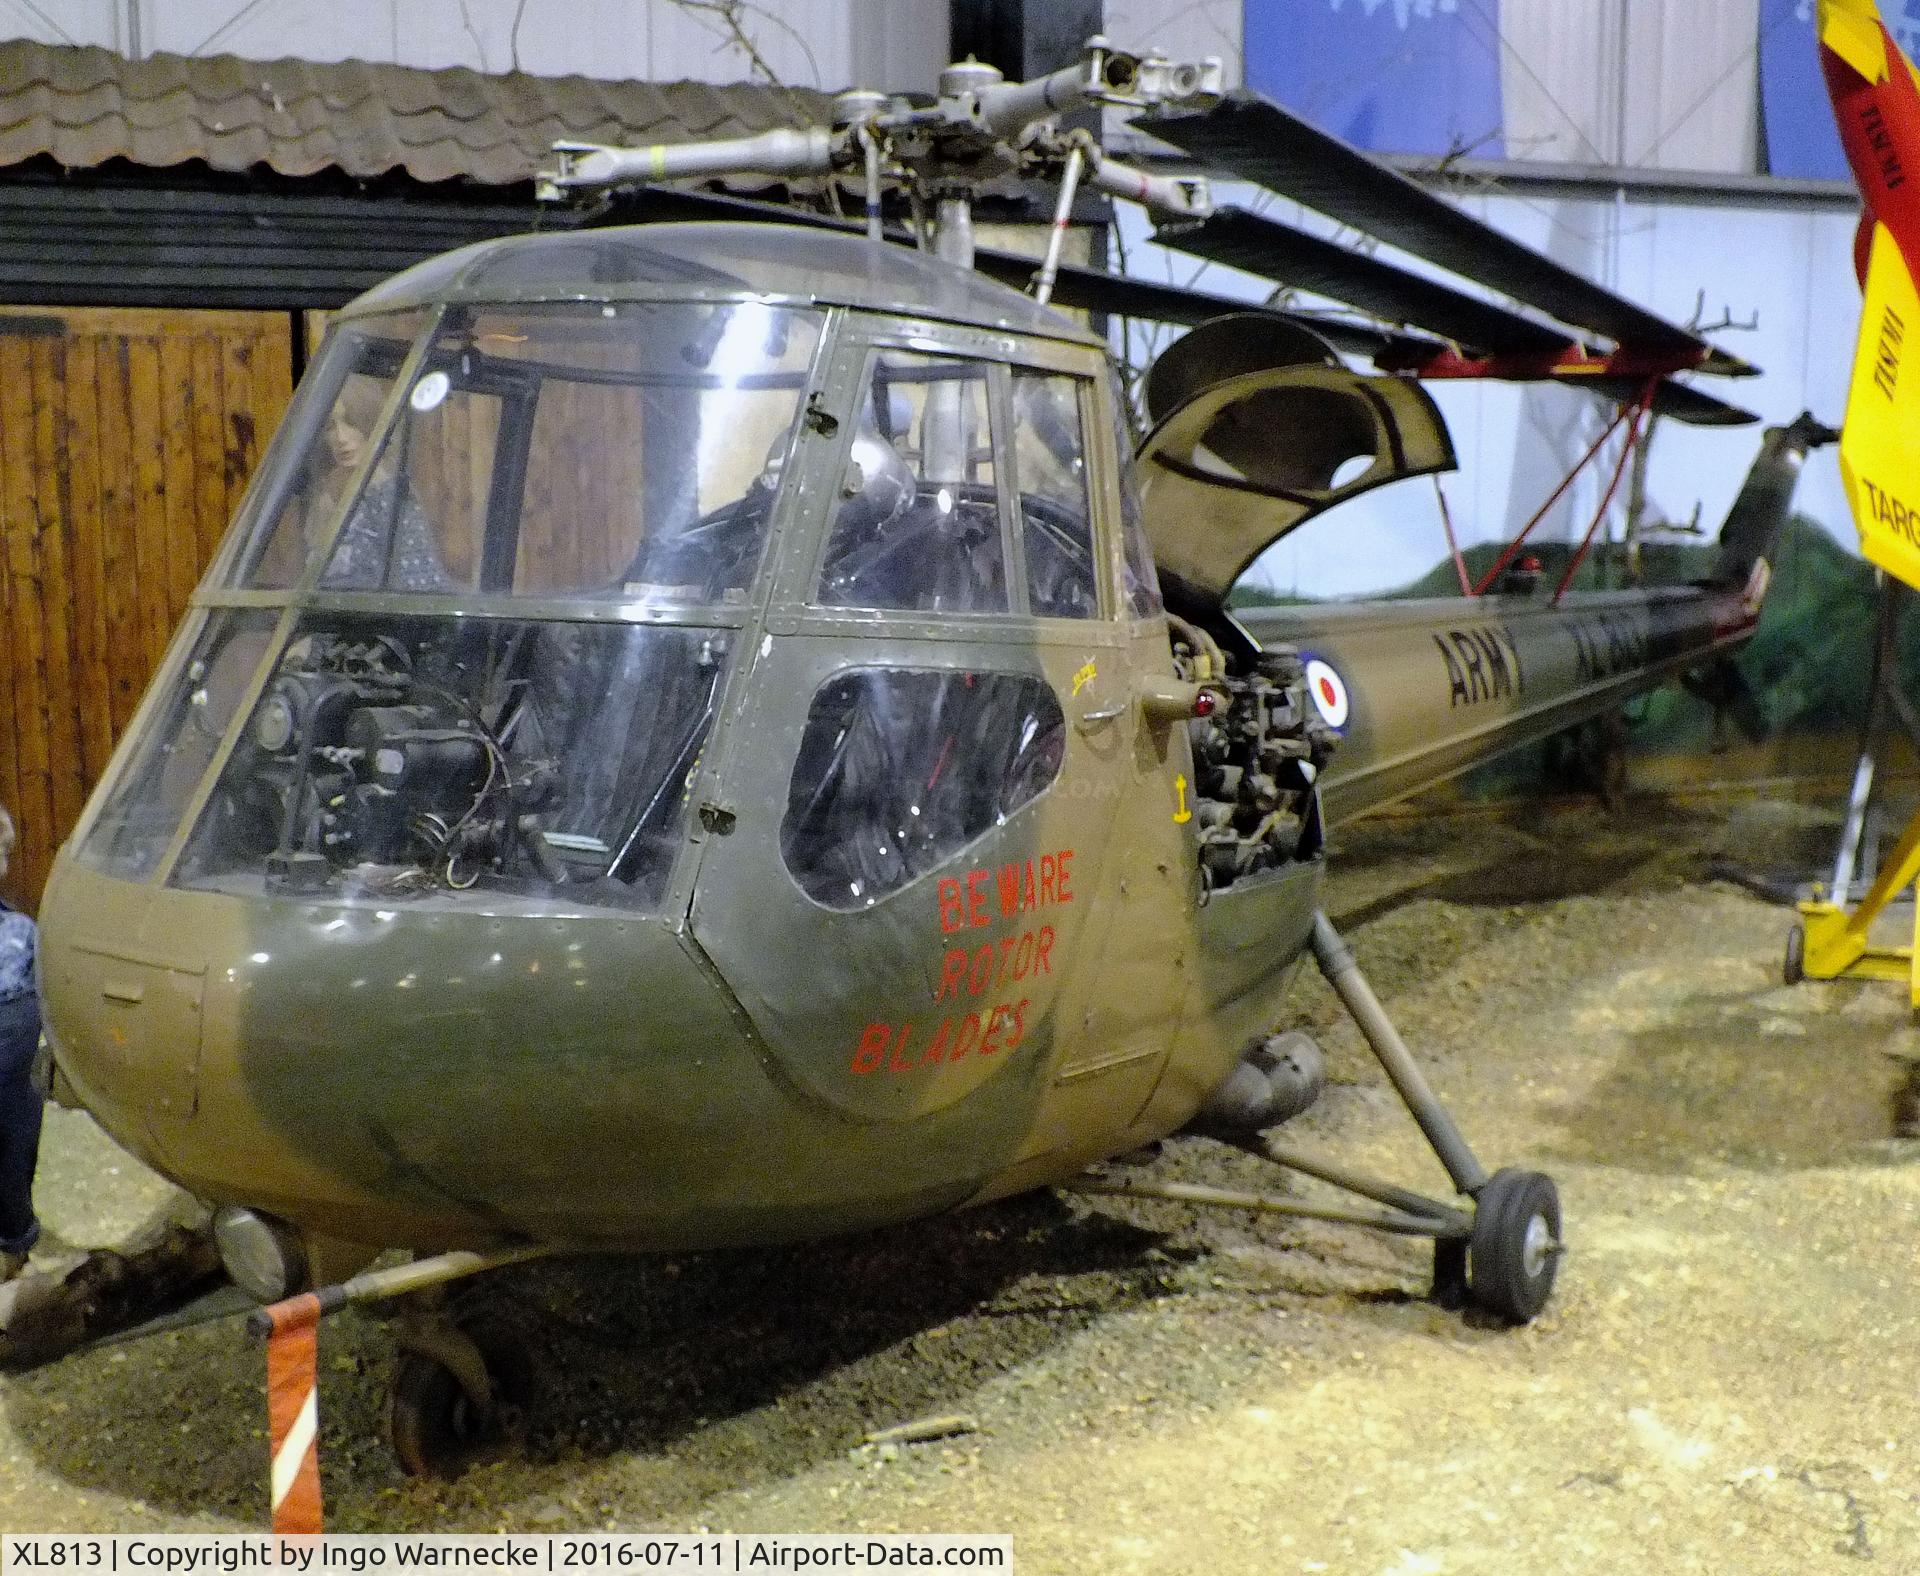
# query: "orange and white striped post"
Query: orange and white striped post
293,1414
293,1371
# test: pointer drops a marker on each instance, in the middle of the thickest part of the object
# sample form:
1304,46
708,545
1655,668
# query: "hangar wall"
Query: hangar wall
126,439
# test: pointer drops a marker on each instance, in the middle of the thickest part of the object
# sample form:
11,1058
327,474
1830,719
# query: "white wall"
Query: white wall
1642,83
1790,266
812,43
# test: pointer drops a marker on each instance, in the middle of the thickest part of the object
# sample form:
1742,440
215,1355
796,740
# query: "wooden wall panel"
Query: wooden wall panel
581,525
126,439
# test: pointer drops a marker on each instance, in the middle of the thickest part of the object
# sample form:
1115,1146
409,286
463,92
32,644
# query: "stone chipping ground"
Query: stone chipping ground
1724,1382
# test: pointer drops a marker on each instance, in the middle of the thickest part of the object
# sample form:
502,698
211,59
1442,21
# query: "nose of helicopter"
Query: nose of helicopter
404,1075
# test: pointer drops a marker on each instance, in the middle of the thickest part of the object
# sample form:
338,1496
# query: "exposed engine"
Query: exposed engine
1255,759
433,759
366,762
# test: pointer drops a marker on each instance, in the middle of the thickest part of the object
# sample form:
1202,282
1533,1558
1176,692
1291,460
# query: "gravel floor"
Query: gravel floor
1719,1385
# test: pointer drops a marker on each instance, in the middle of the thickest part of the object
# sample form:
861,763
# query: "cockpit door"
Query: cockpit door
1128,998
917,807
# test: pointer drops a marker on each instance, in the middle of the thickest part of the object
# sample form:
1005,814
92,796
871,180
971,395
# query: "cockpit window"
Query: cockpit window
1143,580
419,754
1050,460
311,463
918,525
899,769
143,811
619,452
442,440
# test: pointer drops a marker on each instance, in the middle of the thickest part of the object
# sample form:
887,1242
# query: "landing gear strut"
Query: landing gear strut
1500,1256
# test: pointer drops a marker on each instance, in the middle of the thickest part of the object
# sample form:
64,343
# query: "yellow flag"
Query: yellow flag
1880,438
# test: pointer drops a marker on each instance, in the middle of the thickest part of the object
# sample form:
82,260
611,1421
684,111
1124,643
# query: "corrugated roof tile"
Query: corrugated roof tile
83,106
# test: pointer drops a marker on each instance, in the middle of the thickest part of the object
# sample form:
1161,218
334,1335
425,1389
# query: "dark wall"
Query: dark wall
1024,38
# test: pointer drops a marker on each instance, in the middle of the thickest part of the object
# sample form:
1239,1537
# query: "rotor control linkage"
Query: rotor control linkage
979,128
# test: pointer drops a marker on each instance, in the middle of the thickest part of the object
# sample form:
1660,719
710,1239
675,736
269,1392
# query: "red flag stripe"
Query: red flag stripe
293,1417
1879,126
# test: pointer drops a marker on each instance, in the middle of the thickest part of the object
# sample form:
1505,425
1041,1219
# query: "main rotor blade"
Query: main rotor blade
1089,290
1255,139
1082,288
1261,245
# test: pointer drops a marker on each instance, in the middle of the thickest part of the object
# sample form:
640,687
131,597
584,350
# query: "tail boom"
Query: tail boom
1428,689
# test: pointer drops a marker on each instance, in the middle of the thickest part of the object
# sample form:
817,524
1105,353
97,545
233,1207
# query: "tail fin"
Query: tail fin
1759,514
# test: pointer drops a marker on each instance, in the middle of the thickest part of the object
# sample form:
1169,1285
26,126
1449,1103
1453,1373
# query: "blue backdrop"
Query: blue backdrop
1796,114
1392,76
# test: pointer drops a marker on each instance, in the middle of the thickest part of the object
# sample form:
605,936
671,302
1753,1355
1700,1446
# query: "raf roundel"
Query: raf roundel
1329,692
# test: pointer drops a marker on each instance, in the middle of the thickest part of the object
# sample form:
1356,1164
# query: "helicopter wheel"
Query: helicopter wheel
1794,969
438,1429
1515,1249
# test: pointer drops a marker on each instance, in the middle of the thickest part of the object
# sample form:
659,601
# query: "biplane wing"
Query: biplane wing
1552,334
1880,431
1876,102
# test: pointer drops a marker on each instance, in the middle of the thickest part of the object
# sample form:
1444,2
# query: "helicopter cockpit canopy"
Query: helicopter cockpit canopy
507,470
472,628
518,539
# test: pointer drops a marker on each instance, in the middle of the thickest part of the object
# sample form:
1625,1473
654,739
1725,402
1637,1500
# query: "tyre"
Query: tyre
434,1426
1514,1253
1794,969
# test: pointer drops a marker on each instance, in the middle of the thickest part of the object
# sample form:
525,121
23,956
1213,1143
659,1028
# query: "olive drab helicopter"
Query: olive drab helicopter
720,732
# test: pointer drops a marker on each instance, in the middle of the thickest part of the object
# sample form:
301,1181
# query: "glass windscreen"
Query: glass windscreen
918,524
1050,460
311,463
1142,578
414,754
620,452
195,704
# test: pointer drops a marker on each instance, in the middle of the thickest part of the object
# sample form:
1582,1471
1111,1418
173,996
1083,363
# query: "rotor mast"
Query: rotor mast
979,128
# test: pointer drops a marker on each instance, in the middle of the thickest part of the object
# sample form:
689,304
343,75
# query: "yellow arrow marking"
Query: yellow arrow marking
1180,788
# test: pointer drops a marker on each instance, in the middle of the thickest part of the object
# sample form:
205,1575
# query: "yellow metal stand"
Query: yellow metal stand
1832,941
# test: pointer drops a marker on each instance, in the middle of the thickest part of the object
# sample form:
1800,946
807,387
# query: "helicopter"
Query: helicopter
722,732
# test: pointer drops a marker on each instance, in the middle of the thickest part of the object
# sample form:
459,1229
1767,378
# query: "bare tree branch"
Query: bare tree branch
729,14
513,37
479,48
